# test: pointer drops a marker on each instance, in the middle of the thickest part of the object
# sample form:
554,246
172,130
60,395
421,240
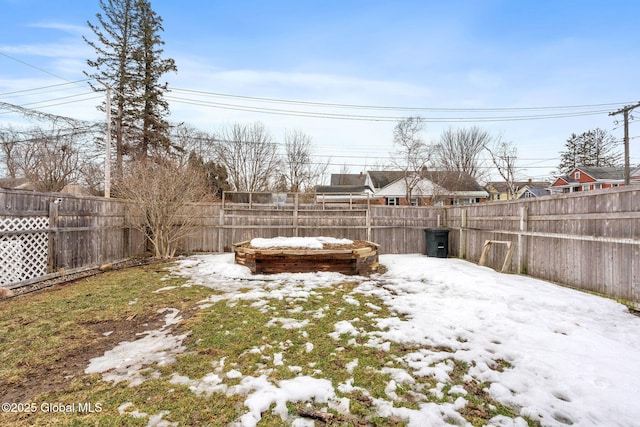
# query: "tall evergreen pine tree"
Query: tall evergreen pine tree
150,68
595,147
129,60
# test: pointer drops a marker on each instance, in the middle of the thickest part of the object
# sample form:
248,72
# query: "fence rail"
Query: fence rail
586,240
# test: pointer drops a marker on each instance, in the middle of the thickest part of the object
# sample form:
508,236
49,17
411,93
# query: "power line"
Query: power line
33,66
37,103
325,115
27,112
379,107
42,88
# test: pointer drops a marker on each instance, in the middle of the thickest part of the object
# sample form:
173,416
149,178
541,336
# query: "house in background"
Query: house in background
499,190
390,188
345,188
586,178
432,188
25,184
16,184
530,193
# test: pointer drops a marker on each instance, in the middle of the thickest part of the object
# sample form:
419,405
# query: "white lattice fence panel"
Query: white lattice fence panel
23,255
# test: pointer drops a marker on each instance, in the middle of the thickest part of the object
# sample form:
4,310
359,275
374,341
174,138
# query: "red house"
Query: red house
585,178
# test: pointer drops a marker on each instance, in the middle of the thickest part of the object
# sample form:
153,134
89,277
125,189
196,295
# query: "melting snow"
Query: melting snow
126,361
573,358
298,242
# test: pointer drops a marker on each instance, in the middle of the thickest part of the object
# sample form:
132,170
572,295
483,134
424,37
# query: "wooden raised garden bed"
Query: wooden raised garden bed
359,258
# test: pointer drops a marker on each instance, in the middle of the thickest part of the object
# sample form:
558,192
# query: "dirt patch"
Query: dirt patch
95,338
62,277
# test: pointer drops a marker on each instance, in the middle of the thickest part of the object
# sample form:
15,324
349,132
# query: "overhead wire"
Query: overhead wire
37,103
379,107
375,118
44,89
574,110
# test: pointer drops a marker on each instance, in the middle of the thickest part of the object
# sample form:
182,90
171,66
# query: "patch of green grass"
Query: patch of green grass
59,330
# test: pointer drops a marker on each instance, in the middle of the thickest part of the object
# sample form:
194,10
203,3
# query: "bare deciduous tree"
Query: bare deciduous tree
413,154
189,139
250,156
459,150
299,171
48,159
161,191
505,156
9,146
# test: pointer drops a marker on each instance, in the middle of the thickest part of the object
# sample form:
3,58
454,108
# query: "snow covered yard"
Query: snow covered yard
430,342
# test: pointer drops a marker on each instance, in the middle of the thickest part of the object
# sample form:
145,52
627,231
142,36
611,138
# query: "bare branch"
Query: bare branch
414,155
250,156
505,156
162,192
459,150
299,171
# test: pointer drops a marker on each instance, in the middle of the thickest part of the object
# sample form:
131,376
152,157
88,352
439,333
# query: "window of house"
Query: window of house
392,201
415,201
577,175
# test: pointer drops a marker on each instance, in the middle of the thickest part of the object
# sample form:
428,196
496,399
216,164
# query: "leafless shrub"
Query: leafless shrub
162,192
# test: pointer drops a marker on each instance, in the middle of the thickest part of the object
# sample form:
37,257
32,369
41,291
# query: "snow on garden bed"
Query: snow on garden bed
298,242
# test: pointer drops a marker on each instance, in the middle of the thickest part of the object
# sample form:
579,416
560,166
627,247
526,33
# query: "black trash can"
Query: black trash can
437,240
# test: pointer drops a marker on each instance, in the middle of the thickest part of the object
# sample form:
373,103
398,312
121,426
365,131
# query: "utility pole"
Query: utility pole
107,152
625,114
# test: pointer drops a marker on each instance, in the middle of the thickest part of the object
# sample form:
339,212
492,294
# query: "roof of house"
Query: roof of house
381,179
599,173
453,180
342,189
604,173
538,192
502,187
16,184
449,180
348,178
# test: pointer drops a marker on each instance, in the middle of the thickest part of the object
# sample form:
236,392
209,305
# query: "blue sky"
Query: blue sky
496,59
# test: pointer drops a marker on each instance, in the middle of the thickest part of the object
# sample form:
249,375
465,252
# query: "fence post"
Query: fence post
221,226
368,219
463,234
296,201
522,241
53,236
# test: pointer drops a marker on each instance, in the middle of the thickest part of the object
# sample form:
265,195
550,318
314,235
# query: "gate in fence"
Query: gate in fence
24,248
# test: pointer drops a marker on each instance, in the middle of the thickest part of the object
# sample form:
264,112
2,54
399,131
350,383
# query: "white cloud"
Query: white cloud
67,28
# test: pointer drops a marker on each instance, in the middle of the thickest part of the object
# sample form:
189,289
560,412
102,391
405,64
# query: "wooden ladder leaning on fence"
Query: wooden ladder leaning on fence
507,259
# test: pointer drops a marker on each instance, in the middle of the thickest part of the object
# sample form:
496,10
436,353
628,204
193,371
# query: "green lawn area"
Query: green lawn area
50,337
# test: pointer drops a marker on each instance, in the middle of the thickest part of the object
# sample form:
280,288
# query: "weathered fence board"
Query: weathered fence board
81,231
586,240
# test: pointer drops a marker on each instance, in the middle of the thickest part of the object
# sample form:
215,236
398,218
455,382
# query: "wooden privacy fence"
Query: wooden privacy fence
218,227
587,240
43,235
